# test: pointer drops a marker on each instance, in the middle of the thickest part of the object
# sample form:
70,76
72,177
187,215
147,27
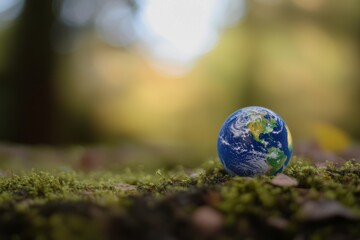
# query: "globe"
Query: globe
254,141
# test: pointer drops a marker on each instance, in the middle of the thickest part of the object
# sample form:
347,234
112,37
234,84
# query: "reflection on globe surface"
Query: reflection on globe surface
254,141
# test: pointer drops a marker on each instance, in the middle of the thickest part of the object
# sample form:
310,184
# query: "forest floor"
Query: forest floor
310,200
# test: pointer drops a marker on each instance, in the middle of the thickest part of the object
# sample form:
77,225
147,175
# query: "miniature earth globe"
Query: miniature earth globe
254,141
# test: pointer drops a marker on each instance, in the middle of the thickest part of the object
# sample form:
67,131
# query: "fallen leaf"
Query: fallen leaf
283,180
321,210
277,222
331,137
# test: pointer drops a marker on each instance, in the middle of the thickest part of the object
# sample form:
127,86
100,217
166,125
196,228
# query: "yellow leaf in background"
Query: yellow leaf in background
289,138
330,137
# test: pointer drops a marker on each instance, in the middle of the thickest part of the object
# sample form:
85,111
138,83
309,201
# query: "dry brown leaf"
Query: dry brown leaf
321,210
277,222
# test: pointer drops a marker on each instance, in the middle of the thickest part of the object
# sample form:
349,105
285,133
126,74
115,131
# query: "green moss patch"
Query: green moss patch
181,203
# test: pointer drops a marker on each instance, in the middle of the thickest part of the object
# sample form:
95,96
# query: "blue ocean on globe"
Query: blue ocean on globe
254,141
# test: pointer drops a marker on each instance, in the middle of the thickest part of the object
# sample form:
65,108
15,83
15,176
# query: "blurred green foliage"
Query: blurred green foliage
299,58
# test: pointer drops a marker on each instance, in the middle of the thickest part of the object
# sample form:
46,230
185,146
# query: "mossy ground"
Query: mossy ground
68,204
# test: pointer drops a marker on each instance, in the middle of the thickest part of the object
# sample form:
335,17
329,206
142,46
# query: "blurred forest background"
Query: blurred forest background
165,74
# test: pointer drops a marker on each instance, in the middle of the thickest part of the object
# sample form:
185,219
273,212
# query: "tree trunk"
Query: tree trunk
29,104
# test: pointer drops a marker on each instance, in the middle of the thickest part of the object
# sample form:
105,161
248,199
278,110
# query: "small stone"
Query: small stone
194,174
207,220
321,210
283,180
125,187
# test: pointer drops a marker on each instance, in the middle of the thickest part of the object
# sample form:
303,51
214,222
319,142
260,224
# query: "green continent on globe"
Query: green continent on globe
275,159
261,125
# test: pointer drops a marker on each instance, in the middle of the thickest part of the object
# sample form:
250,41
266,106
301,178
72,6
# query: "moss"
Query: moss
135,204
